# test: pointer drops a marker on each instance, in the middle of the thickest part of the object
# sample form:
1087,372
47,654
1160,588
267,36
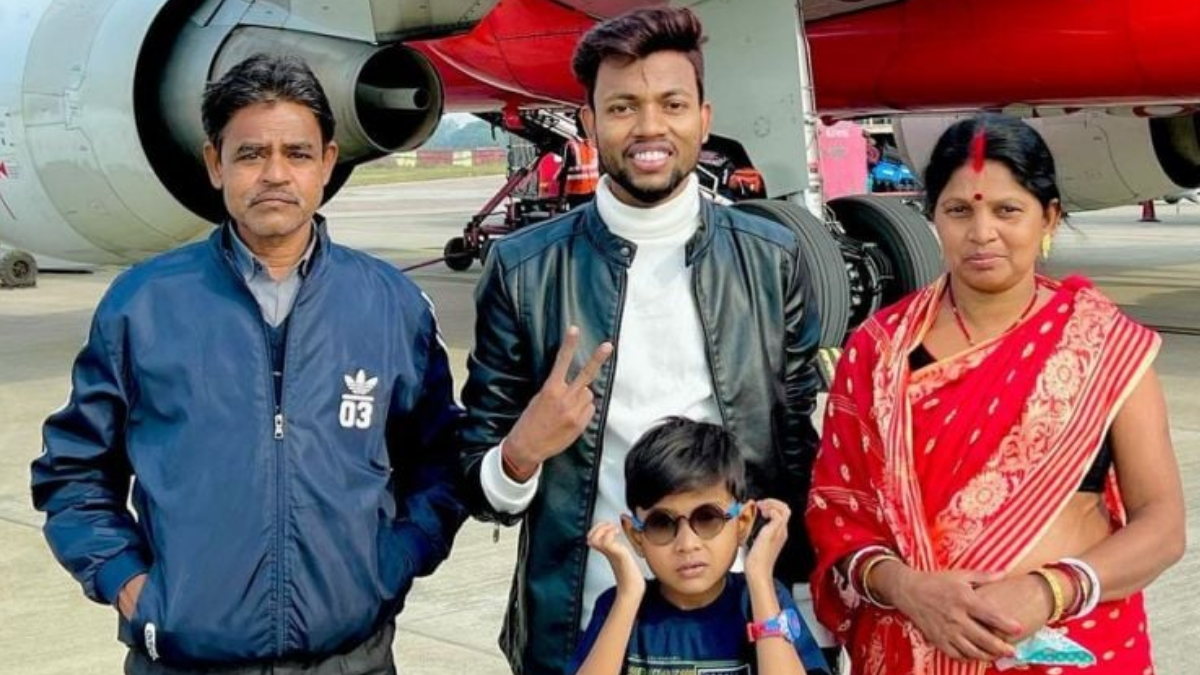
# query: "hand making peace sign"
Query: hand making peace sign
559,413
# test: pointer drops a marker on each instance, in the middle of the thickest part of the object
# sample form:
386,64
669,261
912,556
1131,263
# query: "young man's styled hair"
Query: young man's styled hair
264,78
636,35
680,455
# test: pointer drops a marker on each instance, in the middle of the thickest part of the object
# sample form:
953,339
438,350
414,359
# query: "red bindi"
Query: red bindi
978,196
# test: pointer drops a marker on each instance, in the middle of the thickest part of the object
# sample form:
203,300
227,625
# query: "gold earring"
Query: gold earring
1046,243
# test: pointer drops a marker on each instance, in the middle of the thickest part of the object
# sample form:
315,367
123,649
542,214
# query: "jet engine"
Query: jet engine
100,131
1104,158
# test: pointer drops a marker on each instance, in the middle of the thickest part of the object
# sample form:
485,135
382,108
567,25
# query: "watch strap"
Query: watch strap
786,625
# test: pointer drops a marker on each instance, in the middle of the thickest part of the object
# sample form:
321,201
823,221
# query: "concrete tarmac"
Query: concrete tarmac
452,618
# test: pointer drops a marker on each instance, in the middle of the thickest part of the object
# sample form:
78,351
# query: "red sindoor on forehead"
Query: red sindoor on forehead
978,155
978,150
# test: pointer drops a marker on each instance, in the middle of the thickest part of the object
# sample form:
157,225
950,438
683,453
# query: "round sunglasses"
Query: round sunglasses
707,520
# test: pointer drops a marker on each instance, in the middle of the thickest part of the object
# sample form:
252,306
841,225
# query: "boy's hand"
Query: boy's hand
604,538
760,562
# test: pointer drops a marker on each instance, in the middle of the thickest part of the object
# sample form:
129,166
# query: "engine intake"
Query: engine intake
385,99
1177,143
1103,159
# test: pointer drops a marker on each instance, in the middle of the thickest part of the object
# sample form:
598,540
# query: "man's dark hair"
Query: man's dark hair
680,455
1007,140
636,35
264,78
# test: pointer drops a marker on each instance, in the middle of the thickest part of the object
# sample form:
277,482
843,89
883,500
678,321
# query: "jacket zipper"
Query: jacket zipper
279,486
278,434
591,505
708,346
280,457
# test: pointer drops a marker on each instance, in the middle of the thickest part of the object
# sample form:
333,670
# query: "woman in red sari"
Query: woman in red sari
995,457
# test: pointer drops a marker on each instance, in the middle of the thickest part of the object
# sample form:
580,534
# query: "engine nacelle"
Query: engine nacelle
1103,159
79,185
385,99
100,132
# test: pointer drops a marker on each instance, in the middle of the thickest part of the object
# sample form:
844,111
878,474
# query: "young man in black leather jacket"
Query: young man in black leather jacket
685,308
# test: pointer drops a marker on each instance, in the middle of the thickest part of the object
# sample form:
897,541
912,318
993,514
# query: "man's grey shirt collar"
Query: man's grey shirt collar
275,298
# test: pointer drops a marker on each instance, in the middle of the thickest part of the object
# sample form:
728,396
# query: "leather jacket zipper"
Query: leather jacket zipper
709,348
591,504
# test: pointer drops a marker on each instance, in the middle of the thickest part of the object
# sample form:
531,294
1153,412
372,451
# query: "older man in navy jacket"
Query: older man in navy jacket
286,406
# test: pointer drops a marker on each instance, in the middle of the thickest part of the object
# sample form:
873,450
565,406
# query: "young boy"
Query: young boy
685,486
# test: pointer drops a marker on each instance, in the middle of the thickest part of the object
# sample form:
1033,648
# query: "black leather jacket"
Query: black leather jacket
756,309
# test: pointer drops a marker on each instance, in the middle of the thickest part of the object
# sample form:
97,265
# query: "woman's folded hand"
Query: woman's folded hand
1023,597
950,611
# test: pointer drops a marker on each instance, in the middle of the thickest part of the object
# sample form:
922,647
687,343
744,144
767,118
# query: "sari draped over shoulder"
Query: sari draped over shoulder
965,463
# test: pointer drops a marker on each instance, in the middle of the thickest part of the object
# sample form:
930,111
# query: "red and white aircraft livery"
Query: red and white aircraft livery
100,130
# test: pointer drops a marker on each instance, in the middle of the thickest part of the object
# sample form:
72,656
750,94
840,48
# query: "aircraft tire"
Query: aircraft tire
458,257
903,235
826,268
18,269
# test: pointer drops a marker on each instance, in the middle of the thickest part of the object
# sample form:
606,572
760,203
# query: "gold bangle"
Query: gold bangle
866,575
1056,590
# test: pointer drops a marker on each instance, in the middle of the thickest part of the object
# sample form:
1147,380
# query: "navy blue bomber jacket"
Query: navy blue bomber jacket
268,528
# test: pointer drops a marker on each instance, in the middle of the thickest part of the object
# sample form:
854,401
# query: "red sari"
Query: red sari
965,463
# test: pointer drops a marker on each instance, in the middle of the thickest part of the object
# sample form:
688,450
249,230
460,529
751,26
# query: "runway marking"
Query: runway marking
442,639
18,512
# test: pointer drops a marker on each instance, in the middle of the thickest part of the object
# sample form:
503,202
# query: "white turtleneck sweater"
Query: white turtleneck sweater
660,359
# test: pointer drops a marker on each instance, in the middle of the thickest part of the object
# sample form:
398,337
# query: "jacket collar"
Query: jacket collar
223,245
250,265
621,251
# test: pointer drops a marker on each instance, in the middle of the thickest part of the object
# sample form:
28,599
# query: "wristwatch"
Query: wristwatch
786,625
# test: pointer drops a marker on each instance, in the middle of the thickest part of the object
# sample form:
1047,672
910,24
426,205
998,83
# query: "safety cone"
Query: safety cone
1148,212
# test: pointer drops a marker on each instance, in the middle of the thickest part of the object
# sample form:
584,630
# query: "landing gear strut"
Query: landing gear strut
872,252
822,257
899,252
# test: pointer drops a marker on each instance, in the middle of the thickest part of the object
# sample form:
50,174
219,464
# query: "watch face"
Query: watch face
791,624
786,624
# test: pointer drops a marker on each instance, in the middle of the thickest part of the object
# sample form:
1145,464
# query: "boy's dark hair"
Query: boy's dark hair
636,35
1007,140
264,78
679,455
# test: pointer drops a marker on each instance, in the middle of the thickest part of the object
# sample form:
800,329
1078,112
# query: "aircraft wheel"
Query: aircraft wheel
458,256
18,269
826,268
903,236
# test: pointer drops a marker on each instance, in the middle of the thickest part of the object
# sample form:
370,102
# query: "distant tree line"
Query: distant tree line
462,133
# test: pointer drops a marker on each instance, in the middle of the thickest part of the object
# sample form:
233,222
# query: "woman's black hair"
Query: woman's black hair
1007,140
